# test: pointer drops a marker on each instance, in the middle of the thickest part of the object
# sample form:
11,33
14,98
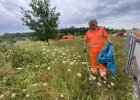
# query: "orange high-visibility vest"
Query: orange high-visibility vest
96,39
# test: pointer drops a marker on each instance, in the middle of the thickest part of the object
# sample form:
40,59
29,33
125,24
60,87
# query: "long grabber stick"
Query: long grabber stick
92,77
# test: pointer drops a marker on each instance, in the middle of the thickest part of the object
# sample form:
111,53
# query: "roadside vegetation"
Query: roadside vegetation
35,70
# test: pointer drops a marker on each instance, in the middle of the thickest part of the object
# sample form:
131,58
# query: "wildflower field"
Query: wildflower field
34,70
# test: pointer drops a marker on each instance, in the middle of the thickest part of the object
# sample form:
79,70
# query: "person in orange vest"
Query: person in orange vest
96,37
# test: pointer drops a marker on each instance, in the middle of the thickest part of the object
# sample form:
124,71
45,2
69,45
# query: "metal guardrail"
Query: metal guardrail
133,53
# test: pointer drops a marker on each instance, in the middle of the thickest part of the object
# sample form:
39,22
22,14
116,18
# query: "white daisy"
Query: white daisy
71,63
64,62
19,68
68,70
113,77
24,90
62,95
1,96
104,82
79,56
90,78
84,63
99,84
109,86
44,84
49,68
79,74
112,84
27,95
13,95
34,84
36,66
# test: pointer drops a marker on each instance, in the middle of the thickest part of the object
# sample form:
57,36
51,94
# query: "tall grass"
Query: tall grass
38,71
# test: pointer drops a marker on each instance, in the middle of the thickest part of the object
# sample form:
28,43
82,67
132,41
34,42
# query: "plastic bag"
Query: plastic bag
107,58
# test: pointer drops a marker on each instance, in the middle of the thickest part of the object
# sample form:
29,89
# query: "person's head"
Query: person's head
92,24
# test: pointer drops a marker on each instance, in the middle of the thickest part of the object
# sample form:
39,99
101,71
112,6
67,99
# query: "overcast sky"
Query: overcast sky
109,13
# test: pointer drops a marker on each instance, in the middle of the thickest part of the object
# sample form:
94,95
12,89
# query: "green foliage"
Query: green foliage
24,56
113,31
13,37
37,71
42,19
82,30
5,45
74,31
7,38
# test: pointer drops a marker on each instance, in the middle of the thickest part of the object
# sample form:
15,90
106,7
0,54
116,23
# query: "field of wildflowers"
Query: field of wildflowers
34,70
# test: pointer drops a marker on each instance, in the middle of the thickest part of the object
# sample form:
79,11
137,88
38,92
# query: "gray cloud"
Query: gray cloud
109,13
104,11
10,14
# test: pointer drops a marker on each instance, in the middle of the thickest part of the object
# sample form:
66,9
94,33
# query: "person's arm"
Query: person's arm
84,46
85,42
108,40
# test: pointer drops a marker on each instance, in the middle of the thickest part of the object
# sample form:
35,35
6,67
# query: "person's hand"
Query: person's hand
85,50
110,43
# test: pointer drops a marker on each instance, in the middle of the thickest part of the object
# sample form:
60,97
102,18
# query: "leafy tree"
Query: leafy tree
42,19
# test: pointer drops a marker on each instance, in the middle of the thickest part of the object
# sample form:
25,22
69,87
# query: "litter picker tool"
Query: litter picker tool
91,76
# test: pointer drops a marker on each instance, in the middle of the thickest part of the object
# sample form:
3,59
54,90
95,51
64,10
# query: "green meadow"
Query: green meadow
34,70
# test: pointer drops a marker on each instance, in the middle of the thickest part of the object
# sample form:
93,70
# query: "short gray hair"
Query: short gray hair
93,20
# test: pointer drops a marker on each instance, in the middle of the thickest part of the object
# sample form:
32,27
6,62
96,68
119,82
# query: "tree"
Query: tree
134,28
42,19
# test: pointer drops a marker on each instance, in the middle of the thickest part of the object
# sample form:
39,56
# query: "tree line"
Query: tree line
64,31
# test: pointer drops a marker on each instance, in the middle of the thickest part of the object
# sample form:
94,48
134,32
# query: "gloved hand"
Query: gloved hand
85,50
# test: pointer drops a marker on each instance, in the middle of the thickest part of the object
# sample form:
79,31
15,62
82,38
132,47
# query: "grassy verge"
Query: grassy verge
34,70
